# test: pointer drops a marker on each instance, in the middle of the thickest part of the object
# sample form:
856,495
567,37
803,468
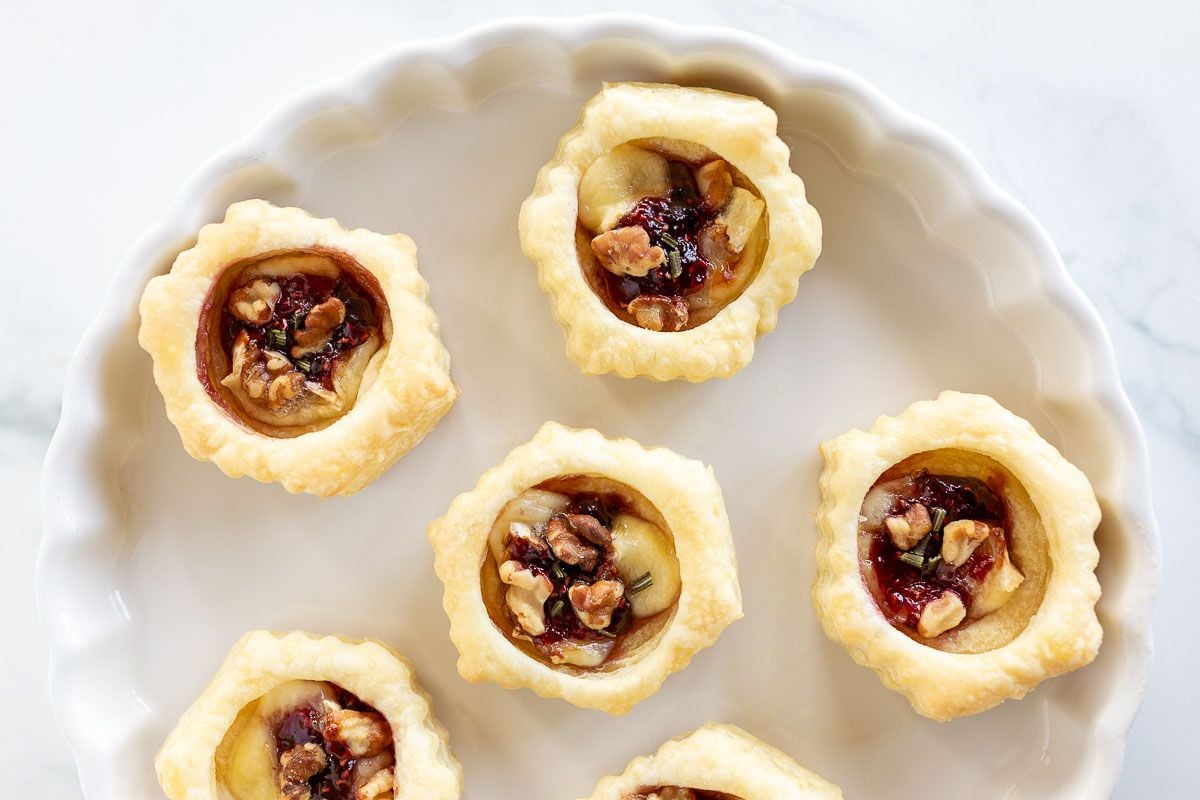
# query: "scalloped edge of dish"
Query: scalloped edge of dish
86,637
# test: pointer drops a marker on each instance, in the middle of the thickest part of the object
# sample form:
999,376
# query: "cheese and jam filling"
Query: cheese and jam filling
309,740
678,793
935,550
289,338
670,233
578,573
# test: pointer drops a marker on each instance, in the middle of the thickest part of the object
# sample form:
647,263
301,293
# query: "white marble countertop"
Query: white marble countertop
1089,116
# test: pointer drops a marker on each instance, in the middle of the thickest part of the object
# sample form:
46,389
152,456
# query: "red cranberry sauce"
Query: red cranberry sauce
299,293
561,621
905,589
303,725
676,218
697,794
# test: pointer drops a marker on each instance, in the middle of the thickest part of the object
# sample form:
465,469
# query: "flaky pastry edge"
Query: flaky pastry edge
261,660
406,393
741,130
1062,635
720,758
687,495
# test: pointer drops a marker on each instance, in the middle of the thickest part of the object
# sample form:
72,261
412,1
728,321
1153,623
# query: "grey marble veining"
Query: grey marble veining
1086,112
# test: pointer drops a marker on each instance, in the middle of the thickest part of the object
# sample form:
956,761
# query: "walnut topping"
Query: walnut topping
568,547
589,528
296,767
656,312
284,388
255,302
364,733
319,325
594,604
715,183
941,615
908,529
627,251
526,596
960,538
382,782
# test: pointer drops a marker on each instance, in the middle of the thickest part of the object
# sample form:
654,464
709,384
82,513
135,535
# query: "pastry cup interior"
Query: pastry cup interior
213,362
642,634
1027,547
599,279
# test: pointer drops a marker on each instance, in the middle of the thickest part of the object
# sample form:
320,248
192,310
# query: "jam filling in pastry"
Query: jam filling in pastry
586,568
290,349
715,762
956,555
688,243
586,578
267,728
668,231
296,333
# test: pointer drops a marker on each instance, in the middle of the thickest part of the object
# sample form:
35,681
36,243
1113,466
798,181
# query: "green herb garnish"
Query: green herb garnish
675,262
557,607
276,338
939,518
642,583
669,241
304,364
609,634
913,559
559,572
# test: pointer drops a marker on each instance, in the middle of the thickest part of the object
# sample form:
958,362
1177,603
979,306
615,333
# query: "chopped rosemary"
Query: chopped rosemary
931,564
557,607
276,338
609,634
913,559
676,263
669,240
641,584
939,518
304,364
559,572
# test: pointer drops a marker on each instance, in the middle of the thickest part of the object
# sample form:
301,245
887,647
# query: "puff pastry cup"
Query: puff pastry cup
586,568
715,762
668,230
956,555
297,716
290,349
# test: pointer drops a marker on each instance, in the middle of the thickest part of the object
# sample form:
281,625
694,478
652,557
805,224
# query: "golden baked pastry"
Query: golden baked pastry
668,231
586,568
956,555
715,762
295,716
290,349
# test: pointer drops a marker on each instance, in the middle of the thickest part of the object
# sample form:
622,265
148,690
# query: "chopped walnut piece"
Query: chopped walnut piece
364,733
960,538
296,767
656,312
908,529
527,595
319,325
715,182
594,604
627,251
568,547
255,302
941,615
525,532
285,387
589,528
383,781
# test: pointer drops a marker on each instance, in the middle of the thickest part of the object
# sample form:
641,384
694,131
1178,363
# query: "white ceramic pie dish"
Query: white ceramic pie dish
150,570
